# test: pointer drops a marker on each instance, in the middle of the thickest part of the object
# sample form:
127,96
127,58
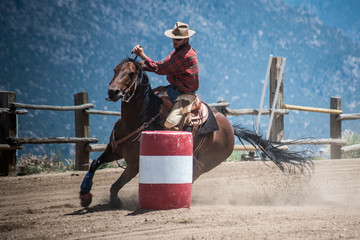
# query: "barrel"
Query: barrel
166,169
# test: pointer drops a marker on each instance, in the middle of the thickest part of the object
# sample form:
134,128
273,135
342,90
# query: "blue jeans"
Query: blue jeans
173,93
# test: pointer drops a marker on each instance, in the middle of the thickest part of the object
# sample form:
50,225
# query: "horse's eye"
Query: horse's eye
131,74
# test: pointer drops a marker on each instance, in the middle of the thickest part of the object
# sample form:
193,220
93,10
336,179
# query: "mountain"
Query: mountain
340,14
50,50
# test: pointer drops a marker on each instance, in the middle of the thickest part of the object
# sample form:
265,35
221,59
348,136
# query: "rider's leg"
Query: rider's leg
172,93
176,117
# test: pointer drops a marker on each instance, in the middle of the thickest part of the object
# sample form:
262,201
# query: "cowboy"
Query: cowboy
181,70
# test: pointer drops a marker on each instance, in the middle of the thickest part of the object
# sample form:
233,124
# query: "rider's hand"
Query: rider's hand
139,51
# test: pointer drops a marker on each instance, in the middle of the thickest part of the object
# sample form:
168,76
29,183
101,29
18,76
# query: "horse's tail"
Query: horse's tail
285,160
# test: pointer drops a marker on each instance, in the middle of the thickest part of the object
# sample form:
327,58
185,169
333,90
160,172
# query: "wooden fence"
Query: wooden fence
10,143
337,144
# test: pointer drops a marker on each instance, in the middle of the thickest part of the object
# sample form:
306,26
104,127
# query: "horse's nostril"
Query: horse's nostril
113,95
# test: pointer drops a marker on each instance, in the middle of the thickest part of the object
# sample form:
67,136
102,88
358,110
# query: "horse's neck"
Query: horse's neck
138,110
131,111
143,106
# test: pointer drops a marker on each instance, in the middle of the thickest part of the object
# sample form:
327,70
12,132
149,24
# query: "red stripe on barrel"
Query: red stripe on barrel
166,143
165,196
165,177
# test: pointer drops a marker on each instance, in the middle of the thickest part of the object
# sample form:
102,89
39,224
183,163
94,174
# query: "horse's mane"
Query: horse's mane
151,102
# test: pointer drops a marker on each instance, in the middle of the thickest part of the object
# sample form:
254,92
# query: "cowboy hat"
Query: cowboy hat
180,31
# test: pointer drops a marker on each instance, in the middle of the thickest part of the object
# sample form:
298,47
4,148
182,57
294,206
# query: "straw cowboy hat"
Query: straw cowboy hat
180,31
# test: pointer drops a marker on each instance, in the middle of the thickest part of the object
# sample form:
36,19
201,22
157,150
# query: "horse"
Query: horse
140,110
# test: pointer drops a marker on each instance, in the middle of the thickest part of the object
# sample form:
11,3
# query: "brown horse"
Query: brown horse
140,111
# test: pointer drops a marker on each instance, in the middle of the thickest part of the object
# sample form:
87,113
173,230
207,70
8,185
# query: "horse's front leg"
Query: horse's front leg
85,188
129,173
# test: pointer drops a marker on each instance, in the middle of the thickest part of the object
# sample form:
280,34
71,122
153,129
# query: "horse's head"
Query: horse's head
123,84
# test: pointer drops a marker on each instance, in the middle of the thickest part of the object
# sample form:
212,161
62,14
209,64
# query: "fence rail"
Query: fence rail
353,116
352,148
312,109
340,142
242,112
9,111
100,112
10,143
21,140
48,107
10,147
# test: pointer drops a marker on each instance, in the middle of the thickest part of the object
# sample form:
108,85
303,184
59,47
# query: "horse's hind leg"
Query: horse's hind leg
217,147
85,188
129,173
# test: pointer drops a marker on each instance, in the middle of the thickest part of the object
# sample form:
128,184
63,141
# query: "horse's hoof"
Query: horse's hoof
85,199
115,201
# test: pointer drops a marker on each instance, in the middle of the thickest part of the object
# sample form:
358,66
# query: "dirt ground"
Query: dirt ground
247,200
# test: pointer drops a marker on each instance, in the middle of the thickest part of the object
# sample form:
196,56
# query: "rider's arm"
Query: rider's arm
173,64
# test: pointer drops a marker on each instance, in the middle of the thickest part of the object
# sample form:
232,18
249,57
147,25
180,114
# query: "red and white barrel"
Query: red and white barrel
166,169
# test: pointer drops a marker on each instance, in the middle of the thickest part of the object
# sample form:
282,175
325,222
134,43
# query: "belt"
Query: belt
177,89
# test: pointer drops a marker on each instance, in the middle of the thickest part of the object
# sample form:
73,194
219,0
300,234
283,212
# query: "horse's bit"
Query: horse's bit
127,100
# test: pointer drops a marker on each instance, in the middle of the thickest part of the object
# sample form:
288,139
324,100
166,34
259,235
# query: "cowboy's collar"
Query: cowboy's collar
187,45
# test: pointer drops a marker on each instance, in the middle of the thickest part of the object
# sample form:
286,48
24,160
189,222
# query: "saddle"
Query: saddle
195,118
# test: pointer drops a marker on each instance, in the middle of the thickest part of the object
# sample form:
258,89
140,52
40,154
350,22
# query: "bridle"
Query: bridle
127,100
125,97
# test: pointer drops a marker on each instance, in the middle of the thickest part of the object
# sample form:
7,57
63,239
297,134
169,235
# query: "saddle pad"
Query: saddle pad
209,126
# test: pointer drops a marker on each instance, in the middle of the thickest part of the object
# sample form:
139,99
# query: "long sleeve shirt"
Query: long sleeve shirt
180,67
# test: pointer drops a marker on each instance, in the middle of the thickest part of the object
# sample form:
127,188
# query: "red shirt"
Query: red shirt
180,67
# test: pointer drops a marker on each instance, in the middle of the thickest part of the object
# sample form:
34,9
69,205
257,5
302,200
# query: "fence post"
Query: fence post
335,128
81,130
277,129
8,128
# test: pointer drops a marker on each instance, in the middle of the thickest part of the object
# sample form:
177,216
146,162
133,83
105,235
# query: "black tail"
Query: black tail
285,160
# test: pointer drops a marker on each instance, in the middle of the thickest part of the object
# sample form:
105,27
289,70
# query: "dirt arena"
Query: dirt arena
247,200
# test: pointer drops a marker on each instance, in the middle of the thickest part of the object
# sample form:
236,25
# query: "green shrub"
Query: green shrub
235,156
32,164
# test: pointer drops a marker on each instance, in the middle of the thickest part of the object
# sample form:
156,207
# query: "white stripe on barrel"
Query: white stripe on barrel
166,169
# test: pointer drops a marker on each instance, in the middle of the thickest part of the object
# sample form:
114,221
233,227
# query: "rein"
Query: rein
140,129
127,100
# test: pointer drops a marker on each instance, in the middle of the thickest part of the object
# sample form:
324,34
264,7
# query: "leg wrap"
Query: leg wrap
87,183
